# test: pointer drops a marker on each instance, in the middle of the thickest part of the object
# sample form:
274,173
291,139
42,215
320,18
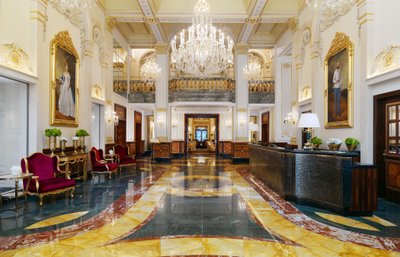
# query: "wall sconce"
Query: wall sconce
228,124
242,122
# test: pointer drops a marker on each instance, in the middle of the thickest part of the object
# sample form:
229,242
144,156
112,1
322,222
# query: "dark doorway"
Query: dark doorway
138,134
120,127
387,145
214,138
265,127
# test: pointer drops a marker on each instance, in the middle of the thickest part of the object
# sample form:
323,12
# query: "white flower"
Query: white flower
15,170
333,140
75,138
63,139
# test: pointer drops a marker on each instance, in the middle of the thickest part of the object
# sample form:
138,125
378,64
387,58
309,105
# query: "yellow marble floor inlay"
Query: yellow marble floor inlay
57,220
96,242
380,221
346,221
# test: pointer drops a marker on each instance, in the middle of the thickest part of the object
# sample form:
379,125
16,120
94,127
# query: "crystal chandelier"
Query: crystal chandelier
80,4
201,50
252,72
332,5
150,71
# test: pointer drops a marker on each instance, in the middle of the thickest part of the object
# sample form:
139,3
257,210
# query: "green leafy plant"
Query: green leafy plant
351,141
81,133
316,141
53,132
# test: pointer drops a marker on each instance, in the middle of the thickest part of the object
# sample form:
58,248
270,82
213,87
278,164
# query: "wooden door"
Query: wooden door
138,134
387,144
265,127
120,128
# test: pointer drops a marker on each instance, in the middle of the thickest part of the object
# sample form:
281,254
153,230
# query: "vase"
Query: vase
316,146
351,148
82,144
62,147
334,147
75,144
52,144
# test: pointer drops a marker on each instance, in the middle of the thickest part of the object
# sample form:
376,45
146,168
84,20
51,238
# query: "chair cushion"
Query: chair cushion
103,167
127,161
52,184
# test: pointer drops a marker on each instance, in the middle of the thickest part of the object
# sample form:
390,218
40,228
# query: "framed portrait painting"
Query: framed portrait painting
64,79
339,83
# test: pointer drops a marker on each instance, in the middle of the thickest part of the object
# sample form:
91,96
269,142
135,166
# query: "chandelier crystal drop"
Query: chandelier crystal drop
252,72
80,4
150,71
201,49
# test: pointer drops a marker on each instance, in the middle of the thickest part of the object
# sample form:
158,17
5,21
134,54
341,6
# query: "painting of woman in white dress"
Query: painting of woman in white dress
66,105
64,93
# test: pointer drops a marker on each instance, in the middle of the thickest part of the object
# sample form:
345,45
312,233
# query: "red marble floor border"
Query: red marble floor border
115,210
294,215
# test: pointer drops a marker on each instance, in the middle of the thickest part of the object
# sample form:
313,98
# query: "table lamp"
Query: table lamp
308,121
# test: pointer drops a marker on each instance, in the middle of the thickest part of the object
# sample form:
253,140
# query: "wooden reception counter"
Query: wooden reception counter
327,179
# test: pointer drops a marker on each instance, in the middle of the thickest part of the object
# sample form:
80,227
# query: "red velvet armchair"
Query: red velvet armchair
124,158
44,180
99,164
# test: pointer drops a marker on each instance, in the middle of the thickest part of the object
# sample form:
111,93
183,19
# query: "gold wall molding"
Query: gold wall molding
14,57
201,84
388,59
98,92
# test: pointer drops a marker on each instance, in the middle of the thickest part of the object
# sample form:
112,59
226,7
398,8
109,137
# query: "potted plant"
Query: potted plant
334,144
351,143
316,141
52,134
81,133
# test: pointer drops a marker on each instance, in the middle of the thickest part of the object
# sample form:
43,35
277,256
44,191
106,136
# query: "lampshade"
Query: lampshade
309,120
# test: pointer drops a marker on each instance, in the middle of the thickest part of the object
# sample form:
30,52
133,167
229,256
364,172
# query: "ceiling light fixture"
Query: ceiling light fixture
200,51
150,71
81,4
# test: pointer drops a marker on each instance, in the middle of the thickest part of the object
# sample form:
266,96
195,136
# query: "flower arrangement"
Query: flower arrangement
81,133
334,144
333,141
53,132
316,141
351,143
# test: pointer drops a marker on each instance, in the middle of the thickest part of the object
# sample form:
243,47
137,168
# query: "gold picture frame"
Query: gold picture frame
339,76
64,81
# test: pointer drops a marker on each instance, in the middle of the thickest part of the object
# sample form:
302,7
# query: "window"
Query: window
201,134
393,128
13,123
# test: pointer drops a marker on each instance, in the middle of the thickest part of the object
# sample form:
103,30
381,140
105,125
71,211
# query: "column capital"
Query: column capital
242,48
161,48
110,23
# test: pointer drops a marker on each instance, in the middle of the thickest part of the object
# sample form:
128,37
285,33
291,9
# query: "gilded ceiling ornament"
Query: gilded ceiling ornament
388,59
15,57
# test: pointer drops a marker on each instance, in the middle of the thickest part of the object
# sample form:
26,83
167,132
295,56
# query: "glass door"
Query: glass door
13,123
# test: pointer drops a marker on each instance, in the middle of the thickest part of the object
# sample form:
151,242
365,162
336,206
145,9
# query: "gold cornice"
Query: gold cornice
242,49
340,42
110,23
161,48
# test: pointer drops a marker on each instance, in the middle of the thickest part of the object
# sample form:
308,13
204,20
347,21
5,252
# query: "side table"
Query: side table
16,179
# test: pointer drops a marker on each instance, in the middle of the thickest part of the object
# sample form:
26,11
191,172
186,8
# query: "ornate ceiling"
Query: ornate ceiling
259,23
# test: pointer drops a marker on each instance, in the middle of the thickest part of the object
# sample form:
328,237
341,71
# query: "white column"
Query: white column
283,92
366,13
241,117
161,116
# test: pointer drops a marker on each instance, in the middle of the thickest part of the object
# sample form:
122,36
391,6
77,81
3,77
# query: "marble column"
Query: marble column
241,114
161,114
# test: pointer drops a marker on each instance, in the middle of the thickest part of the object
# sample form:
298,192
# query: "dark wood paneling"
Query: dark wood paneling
138,134
364,189
162,150
131,148
265,127
178,147
241,150
225,148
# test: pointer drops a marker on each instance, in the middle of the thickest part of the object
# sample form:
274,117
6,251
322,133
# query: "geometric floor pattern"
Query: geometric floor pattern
199,206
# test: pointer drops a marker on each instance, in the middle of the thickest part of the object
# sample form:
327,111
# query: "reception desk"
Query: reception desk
327,179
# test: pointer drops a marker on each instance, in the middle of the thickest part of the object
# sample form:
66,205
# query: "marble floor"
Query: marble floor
200,206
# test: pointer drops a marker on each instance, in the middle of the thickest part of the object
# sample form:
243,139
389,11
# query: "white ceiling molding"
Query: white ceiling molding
252,21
